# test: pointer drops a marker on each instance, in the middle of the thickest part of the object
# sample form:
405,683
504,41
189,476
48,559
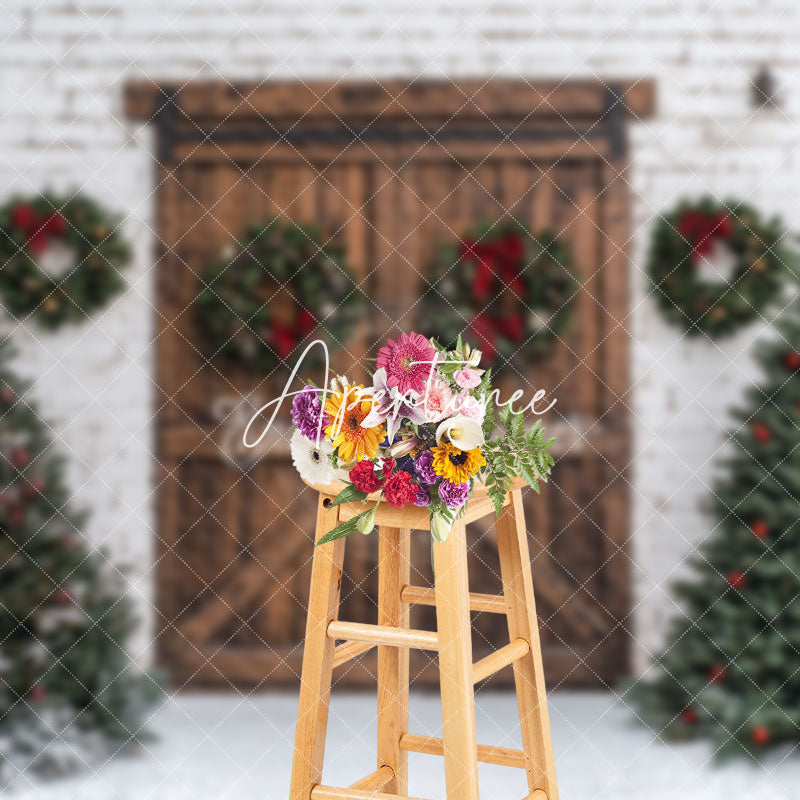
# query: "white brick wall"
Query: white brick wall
62,68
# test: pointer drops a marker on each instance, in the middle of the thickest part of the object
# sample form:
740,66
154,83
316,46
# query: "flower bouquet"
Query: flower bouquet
423,434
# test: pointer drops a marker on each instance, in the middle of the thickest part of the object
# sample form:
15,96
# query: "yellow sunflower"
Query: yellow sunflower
457,466
347,409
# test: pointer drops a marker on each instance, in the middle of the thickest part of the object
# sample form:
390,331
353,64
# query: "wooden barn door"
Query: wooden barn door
387,172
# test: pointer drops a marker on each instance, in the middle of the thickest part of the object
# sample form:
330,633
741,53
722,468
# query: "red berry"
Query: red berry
792,360
760,735
760,529
689,716
63,597
736,579
717,674
19,457
38,692
761,433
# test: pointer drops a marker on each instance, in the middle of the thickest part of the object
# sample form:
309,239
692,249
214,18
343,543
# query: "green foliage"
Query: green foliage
514,452
729,670
100,253
64,619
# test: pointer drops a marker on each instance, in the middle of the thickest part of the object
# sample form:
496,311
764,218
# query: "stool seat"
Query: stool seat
452,642
418,519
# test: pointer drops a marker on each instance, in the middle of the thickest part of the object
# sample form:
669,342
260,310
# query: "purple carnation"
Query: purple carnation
454,495
423,496
306,411
423,466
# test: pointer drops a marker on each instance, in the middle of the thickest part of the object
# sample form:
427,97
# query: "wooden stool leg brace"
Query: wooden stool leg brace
458,674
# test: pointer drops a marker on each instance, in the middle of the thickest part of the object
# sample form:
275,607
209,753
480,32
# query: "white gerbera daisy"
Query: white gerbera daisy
312,462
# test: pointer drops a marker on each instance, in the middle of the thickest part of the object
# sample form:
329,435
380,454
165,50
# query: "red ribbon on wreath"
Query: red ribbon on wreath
284,337
500,261
702,230
37,230
486,329
496,261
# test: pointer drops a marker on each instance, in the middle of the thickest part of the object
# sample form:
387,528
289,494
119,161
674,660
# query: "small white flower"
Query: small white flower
312,462
461,431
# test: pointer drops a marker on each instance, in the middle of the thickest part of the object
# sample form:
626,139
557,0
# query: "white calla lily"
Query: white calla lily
440,528
463,432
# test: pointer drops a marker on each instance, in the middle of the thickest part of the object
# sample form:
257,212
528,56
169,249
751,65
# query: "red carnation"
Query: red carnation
760,735
399,489
24,217
364,478
736,579
689,715
388,467
717,674
761,433
760,529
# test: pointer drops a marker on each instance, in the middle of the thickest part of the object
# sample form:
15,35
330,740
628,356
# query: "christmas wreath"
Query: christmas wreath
691,233
278,284
509,290
88,250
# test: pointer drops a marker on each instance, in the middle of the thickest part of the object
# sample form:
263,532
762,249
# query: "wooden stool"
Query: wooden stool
393,637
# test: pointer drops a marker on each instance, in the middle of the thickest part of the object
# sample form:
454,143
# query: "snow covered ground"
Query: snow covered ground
226,747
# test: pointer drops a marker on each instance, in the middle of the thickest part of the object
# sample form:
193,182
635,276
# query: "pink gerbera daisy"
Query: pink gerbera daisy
408,362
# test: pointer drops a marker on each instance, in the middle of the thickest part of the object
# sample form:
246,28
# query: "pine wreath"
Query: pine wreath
91,244
279,285
505,288
683,237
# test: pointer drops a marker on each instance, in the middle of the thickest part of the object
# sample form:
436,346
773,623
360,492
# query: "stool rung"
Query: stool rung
504,756
494,662
383,635
422,596
332,793
375,781
348,651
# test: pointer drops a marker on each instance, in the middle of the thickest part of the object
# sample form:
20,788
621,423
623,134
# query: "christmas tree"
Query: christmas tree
69,692
731,667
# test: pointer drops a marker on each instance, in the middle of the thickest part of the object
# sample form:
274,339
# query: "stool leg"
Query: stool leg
315,683
394,572
515,568
455,666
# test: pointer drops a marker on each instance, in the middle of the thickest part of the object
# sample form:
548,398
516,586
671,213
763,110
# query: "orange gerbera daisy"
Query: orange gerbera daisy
347,410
